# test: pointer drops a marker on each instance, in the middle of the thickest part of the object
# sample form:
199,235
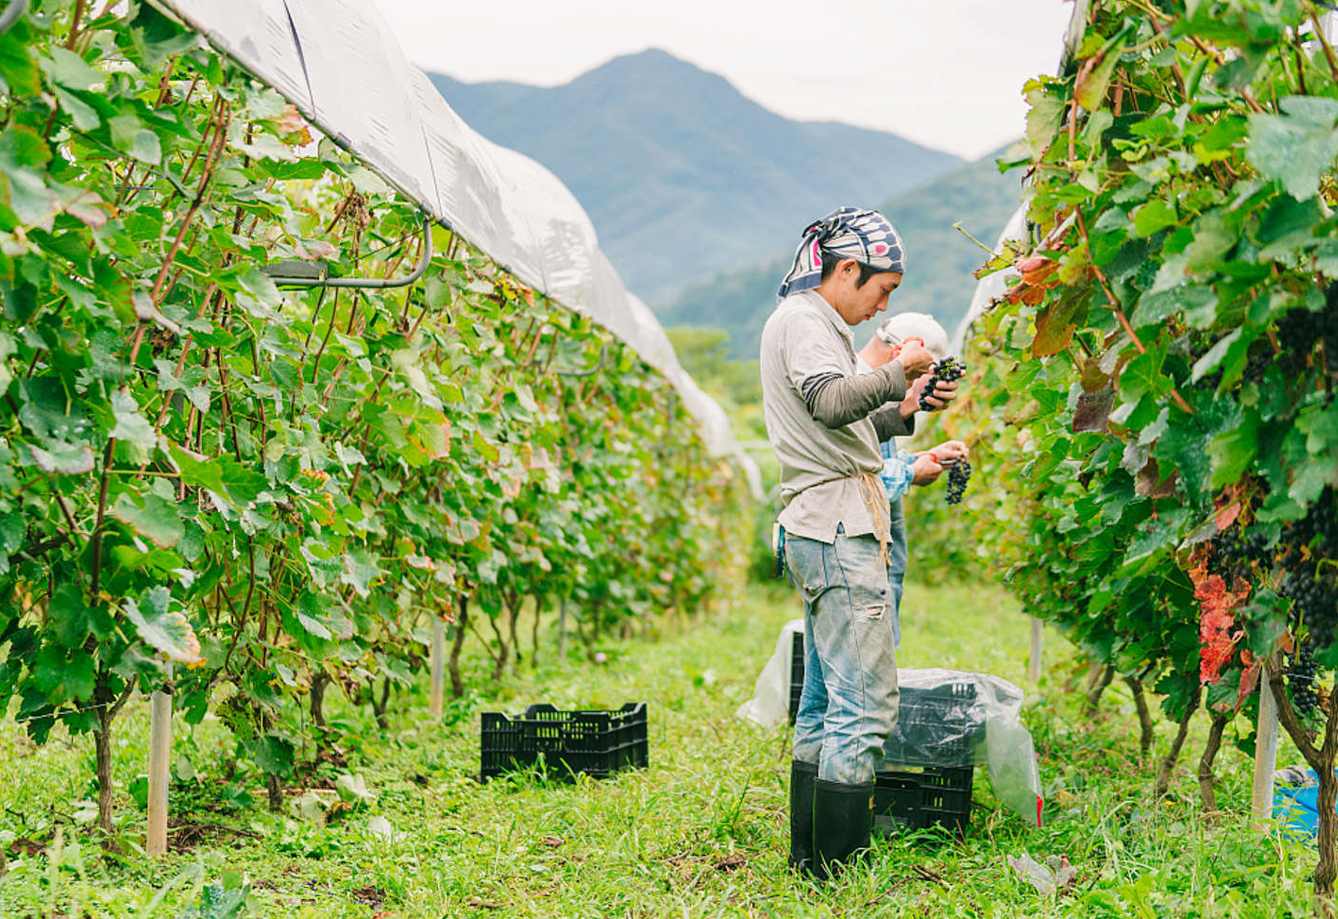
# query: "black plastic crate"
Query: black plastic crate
936,727
796,673
920,798
598,743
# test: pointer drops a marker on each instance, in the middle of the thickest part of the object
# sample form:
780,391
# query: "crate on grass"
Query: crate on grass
937,726
920,798
929,757
598,743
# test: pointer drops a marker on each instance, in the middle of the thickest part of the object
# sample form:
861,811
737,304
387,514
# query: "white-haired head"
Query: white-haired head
902,326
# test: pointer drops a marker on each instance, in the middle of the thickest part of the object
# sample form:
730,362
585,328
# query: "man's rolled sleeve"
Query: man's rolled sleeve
887,421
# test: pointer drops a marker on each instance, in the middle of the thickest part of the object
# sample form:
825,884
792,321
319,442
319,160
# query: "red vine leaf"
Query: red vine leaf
1217,605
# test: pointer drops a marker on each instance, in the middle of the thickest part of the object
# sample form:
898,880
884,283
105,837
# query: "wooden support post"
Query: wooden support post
160,767
1265,756
438,666
562,632
1034,661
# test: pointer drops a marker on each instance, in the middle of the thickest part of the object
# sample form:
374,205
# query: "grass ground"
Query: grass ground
702,832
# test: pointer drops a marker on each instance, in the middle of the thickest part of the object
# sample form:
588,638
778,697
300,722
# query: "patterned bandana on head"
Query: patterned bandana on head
847,232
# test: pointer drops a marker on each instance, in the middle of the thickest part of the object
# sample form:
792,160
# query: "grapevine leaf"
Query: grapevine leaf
22,146
1142,375
360,570
223,476
17,69
64,676
1043,118
1091,91
69,615
164,629
84,116
1092,410
257,294
132,427
1156,307
63,458
1153,216
1055,327
69,69
157,518
1296,147
273,754
130,136
1233,451
485,449
1214,355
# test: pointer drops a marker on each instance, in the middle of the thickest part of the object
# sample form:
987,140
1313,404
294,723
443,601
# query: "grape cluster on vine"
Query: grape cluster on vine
1309,548
1301,681
944,371
1301,329
1314,596
1233,551
959,473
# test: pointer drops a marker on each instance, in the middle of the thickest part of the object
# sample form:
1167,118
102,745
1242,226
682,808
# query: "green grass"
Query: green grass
702,832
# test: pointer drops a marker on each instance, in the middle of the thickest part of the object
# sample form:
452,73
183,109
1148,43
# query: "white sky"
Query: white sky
945,73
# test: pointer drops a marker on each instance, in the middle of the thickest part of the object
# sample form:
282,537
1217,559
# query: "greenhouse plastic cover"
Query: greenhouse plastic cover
340,64
981,727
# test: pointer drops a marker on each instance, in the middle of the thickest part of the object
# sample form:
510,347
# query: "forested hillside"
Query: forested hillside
682,174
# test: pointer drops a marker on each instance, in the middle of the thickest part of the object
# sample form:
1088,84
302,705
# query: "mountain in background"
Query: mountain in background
683,176
940,259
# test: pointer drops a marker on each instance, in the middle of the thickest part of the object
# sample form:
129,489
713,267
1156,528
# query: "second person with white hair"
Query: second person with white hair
900,468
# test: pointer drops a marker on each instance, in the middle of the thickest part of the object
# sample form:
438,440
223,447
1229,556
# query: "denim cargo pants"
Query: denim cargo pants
848,706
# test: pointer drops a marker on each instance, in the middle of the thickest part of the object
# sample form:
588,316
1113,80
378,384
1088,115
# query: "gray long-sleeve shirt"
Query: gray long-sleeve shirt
808,368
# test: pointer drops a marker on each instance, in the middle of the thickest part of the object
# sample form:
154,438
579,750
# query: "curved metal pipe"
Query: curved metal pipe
369,283
603,353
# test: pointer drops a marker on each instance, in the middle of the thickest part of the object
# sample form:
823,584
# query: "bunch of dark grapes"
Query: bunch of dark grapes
1233,551
1320,521
1314,596
1301,680
944,371
1261,356
1301,329
959,473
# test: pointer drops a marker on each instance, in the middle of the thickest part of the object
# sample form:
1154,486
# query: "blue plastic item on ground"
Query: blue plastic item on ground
1296,805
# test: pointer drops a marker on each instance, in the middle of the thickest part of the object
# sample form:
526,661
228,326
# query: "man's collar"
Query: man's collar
832,316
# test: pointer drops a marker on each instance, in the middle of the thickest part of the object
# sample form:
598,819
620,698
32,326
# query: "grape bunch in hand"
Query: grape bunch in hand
959,473
944,371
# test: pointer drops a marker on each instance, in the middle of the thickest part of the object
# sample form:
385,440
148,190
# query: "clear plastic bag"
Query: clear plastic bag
946,718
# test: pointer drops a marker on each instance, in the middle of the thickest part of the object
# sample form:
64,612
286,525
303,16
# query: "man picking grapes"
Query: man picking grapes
825,421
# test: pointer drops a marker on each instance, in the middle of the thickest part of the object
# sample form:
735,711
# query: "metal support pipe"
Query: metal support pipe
323,280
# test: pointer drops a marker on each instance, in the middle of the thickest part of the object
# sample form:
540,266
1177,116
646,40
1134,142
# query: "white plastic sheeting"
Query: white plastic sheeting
340,64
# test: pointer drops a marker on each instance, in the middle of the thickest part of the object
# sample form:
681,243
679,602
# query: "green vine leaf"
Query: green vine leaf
1298,146
162,628
156,518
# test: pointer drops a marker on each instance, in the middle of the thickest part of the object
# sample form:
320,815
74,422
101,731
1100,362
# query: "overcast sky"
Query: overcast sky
945,73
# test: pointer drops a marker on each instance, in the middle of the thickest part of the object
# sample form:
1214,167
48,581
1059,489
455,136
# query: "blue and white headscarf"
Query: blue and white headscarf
847,232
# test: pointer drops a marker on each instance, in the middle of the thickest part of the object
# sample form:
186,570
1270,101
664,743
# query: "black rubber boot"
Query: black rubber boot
802,777
842,821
